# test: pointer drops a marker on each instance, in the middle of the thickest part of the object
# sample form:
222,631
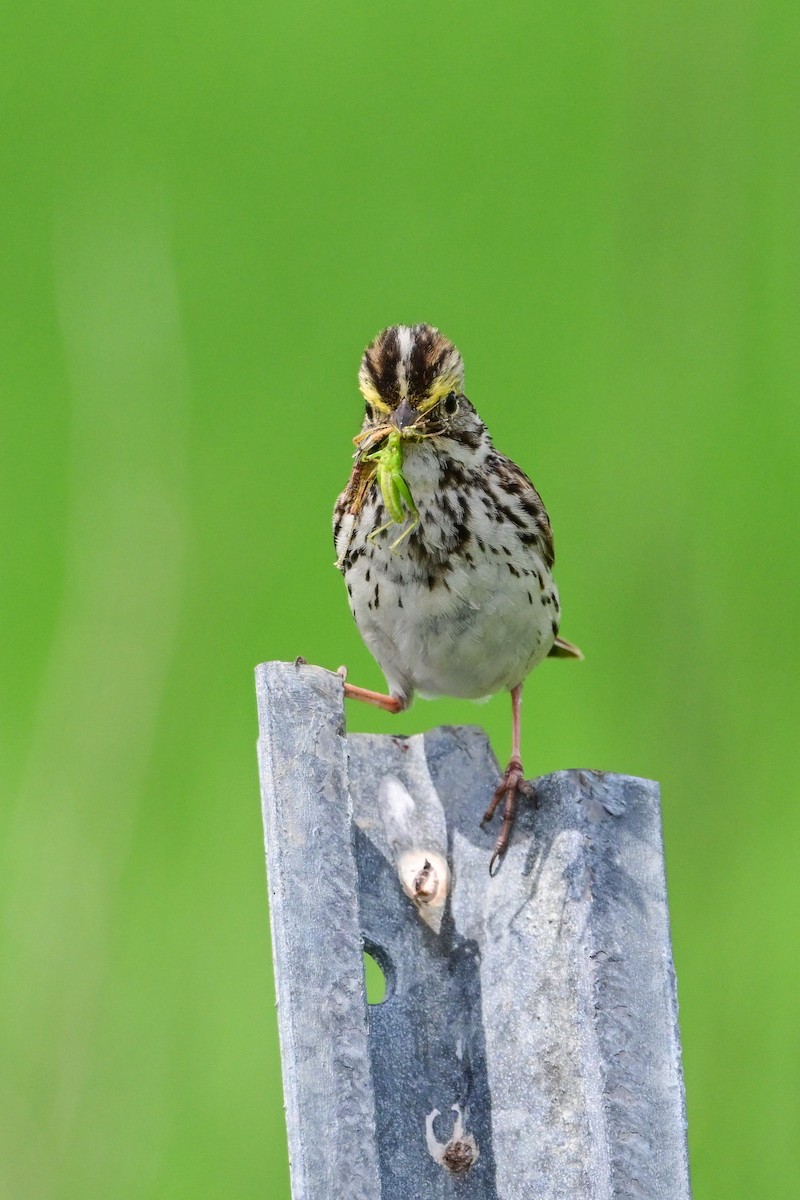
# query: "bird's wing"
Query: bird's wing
519,489
516,483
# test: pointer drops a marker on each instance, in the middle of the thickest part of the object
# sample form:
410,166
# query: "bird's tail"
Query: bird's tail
561,648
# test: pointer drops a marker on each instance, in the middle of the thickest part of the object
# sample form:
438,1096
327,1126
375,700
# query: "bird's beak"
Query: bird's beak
404,415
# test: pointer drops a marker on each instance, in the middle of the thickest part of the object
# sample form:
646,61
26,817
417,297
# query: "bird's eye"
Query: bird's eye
450,403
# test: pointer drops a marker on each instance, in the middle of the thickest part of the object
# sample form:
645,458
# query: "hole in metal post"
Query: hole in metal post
377,973
374,979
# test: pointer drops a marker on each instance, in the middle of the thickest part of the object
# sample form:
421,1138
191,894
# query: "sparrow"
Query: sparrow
445,545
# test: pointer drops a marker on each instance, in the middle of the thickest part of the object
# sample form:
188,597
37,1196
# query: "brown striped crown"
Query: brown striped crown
410,362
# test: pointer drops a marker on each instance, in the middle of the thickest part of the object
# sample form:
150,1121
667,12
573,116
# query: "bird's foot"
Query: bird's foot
512,783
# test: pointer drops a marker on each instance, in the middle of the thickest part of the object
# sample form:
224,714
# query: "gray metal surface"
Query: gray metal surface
528,1045
316,939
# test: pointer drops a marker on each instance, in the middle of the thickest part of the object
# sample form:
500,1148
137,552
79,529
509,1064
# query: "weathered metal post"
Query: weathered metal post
528,1045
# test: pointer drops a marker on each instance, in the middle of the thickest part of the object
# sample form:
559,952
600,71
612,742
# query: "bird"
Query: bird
445,546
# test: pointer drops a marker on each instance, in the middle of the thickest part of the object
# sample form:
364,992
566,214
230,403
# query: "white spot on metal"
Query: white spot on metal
460,1152
424,876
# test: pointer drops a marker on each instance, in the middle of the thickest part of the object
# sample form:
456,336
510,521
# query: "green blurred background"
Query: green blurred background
208,211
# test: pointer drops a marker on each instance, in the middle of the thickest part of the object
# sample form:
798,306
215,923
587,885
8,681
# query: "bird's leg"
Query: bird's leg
392,704
513,781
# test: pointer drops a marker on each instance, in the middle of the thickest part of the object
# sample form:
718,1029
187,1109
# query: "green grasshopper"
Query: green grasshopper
394,489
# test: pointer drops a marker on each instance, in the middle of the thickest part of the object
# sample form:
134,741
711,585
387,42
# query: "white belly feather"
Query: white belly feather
476,629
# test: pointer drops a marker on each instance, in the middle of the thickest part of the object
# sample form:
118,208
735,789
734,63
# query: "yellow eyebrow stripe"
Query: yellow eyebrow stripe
372,396
439,394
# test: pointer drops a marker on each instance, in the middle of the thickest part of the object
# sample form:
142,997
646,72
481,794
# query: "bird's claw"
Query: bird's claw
512,783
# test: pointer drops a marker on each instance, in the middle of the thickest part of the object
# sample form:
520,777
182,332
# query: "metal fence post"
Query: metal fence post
528,1045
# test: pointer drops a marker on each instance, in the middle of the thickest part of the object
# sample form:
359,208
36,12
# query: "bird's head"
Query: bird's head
412,379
